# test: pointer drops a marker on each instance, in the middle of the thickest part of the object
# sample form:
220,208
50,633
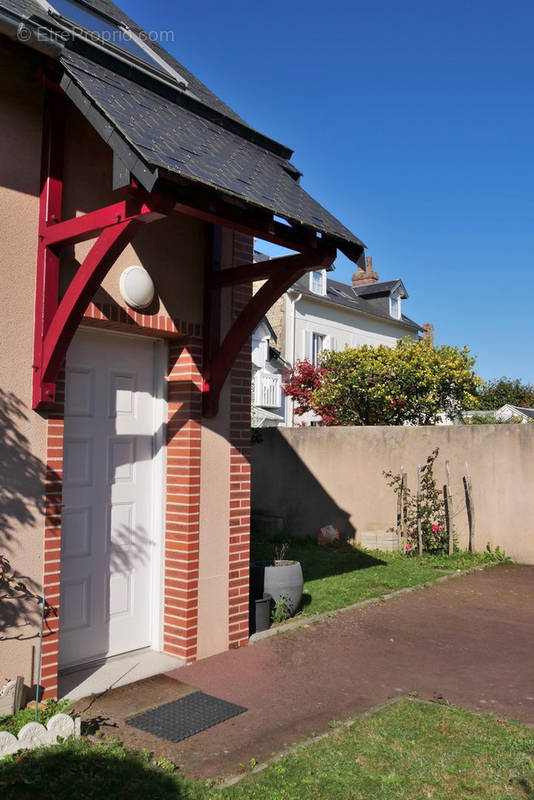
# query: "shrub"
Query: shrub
428,509
410,383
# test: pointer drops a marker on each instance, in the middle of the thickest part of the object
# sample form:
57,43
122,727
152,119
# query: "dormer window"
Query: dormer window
318,281
395,305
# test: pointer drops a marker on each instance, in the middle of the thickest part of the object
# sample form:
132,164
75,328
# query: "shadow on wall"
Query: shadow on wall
21,505
310,507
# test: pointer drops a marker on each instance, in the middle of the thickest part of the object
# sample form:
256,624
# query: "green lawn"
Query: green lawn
341,574
407,751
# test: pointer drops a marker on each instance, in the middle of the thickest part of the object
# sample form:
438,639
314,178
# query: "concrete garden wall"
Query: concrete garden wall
315,476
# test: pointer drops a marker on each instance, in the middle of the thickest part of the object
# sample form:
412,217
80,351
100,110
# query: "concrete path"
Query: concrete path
469,641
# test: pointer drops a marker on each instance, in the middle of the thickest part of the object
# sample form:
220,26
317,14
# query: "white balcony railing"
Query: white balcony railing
267,390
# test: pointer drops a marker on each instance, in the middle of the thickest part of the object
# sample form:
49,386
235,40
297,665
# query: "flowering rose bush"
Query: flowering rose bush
429,511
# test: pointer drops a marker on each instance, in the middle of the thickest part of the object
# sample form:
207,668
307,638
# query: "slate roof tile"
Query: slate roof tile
169,136
342,294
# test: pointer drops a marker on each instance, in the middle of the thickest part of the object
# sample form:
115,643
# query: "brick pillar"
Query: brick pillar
428,332
239,532
52,541
183,499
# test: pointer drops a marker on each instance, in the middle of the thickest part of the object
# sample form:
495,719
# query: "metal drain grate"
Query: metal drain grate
182,718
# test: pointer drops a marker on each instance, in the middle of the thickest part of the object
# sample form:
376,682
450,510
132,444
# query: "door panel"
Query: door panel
108,483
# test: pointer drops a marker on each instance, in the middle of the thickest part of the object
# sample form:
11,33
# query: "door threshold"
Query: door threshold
94,663
102,675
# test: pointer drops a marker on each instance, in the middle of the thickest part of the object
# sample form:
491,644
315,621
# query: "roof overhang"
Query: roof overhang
269,330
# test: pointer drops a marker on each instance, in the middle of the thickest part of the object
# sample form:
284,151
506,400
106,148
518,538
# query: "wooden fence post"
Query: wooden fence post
404,511
400,497
419,532
468,487
449,515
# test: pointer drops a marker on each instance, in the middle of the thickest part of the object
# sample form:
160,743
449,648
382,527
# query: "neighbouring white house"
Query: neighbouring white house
516,413
319,313
268,368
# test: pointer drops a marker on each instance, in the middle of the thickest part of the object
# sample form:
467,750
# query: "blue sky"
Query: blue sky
413,122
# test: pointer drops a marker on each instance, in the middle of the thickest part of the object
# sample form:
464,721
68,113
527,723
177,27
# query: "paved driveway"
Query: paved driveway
469,640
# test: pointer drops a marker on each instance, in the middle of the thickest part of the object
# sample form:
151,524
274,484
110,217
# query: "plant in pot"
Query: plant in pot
281,579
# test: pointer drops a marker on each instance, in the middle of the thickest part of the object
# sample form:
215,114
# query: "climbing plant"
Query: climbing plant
425,508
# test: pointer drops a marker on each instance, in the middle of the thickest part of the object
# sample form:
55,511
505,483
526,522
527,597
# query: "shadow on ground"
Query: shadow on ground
526,787
84,771
317,561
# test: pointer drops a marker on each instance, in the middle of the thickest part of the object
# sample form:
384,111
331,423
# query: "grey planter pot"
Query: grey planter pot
285,577
262,614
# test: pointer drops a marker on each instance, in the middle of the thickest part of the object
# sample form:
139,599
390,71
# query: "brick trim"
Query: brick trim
239,510
182,525
118,318
53,489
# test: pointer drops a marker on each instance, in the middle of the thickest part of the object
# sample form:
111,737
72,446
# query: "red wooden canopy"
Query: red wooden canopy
56,320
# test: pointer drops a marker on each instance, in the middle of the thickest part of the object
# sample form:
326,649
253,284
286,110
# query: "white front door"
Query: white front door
108,534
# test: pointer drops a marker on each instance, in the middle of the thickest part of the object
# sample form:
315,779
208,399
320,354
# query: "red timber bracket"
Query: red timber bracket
280,274
113,227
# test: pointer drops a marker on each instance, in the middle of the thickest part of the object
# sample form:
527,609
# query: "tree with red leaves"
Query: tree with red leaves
413,383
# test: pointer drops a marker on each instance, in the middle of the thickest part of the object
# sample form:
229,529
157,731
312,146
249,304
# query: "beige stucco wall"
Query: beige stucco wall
22,432
315,476
213,565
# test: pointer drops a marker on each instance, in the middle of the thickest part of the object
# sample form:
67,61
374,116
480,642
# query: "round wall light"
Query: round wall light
136,287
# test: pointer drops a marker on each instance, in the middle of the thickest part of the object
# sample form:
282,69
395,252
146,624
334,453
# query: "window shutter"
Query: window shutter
330,343
307,348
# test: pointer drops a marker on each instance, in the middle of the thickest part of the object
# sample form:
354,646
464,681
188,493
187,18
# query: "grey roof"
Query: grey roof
265,321
260,257
160,129
275,356
343,294
526,412
381,287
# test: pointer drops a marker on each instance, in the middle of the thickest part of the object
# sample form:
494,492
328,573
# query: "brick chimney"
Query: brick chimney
428,332
365,277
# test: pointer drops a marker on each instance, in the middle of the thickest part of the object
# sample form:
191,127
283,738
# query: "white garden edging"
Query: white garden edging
11,697
33,734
